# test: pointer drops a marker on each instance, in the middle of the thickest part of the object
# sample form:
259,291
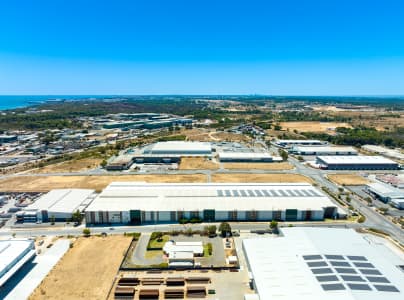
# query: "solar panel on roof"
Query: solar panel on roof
298,193
370,272
282,193
250,193
321,271
220,193
243,193
330,256
274,193
266,193
306,193
377,279
327,278
355,257
317,264
291,193
311,257
346,270
313,193
352,278
386,288
340,264
363,265
235,193
258,193
333,287
359,286
227,192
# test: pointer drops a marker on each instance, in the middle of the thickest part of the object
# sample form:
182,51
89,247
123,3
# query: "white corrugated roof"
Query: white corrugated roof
61,200
219,196
238,155
281,271
181,146
324,148
355,159
386,190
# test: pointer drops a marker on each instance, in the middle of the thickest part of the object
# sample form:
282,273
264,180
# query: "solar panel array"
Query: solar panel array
268,193
339,272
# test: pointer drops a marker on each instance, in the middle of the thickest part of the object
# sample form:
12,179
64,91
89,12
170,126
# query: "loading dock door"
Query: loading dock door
291,215
209,215
135,217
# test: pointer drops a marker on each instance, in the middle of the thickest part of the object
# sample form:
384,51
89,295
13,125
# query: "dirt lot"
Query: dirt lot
348,179
86,271
259,166
313,126
70,166
197,163
240,177
46,183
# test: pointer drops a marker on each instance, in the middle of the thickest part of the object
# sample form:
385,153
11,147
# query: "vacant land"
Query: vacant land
86,271
197,163
77,165
242,177
348,179
229,137
97,182
259,166
313,126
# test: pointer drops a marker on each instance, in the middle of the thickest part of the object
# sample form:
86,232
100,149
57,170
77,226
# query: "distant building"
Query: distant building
8,139
122,162
180,148
387,194
356,162
13,255
291,143
247,157
150,203
323,263
323,150
392,153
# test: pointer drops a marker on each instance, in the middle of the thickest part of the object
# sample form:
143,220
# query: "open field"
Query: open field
312,126
259,166
229,137
86,271
241,177
348,179
197,163
78,165
97,182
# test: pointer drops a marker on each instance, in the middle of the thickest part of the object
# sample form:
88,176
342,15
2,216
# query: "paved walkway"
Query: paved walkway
24,282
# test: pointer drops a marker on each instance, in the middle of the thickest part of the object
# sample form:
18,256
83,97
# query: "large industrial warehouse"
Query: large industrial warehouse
143,203
323,263
323,150
13,255
291,143
356,162
180,148
386,193
253,157
58,204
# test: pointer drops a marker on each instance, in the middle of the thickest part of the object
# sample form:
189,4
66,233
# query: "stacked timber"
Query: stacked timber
198,280
124,293
175,281
152,281
174,294
196,292
128,281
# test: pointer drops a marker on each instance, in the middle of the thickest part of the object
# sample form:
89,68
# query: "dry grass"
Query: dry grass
348,179
86,271
97,182
259,166
312,126
79,165
241,177
197,163
230,137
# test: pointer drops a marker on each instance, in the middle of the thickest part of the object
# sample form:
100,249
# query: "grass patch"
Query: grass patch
156,243
375,230
150,254
207,249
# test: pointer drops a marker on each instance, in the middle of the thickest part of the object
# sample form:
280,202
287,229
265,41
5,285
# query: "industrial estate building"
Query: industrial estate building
323,263
323,150
180,148
142,203
386,193
292,143
13,255
392,153
58,205
254,157
356,162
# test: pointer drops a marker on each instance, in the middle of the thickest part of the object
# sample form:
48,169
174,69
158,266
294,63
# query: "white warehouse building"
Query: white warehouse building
180,148
386,193
59,204
324,263
145,203
252,157
292,143
323,150
356,162
13,255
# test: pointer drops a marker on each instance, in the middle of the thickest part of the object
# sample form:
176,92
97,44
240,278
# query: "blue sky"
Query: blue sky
284,47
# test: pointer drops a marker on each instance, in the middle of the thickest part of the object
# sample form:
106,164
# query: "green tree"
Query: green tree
86,232
52,219
77,217
273,224
283,154
225,229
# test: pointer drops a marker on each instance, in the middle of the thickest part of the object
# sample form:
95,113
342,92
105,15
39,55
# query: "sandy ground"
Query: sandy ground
312,126
348,179
197,163
239,177
230,137
259,166
86,271
70,166
46,183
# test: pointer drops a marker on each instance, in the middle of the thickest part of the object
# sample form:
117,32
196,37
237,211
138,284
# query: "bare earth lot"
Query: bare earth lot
348,179
70,166
47,183
197,163
240,177
86,271
312,126
259,166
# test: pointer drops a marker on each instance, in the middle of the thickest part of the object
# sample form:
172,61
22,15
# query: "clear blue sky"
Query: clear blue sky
283,47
